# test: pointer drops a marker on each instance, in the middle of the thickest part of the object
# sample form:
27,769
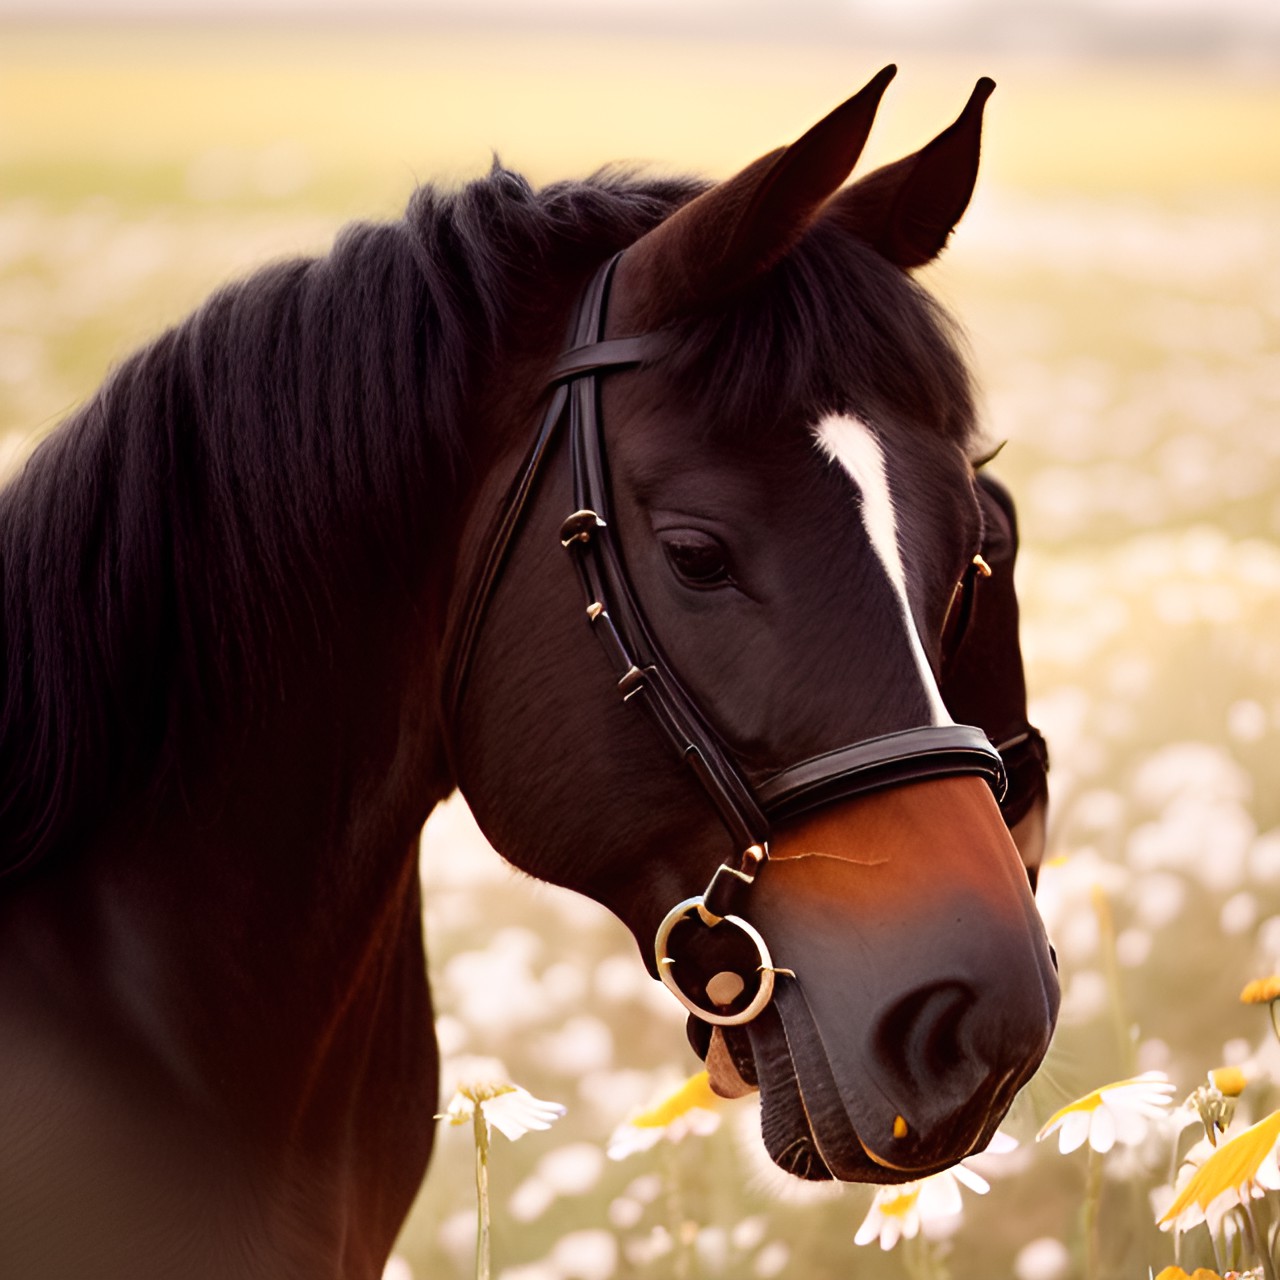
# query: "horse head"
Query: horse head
781,543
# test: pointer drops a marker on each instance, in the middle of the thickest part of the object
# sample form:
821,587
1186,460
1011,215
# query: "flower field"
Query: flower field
1125,324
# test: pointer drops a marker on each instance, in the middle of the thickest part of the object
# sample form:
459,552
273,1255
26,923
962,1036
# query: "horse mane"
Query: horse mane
170,544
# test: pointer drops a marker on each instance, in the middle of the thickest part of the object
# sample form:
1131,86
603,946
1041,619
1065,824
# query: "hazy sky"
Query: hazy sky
1246,33
1262,12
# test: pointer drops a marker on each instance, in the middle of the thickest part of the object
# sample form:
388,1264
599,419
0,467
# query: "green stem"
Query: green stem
680,1237
481,1127
1274,1025
1259,1240
1111,971
1218,1265
931,1264
1092,1208
1173,1183
915,1261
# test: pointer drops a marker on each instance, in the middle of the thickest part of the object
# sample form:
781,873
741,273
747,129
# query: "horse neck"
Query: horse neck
227,969
256,895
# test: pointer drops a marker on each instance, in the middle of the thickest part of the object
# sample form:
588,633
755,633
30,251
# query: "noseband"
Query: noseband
646,679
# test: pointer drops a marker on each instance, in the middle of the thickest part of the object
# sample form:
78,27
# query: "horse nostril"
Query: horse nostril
919,1037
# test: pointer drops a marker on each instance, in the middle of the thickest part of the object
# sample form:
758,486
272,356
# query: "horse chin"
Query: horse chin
827,1147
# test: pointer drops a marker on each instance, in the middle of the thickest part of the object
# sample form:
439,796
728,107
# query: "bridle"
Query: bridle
646,679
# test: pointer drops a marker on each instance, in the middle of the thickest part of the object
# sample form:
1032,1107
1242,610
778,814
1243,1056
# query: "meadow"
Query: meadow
1119,279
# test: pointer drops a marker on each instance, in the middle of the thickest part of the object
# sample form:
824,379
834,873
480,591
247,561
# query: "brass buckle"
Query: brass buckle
666,962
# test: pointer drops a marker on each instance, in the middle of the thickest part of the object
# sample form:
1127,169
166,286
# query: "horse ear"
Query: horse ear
907,210
709,249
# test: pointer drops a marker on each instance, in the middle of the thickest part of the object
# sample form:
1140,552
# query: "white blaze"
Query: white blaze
854,446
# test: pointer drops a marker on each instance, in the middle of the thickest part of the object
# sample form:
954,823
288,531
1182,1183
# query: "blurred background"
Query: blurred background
1118,275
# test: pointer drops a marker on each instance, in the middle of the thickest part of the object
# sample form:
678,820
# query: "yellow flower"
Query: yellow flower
1177,1273
1119,1112
1237,1170
691,1107
1264,991
694,1094
1261,990
1229,1081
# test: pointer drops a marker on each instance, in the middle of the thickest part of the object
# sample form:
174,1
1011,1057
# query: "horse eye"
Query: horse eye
697,558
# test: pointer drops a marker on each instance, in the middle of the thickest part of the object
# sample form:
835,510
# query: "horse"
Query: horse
649,513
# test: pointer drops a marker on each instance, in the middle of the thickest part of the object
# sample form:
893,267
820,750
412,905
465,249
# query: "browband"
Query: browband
609,353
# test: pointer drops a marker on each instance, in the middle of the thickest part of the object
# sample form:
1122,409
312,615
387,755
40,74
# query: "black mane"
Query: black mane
173,539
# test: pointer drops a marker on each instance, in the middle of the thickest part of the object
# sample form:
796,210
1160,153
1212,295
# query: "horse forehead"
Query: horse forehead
850,443
855,447
911,480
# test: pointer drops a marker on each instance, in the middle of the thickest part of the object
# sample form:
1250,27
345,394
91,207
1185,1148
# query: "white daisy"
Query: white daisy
1119,1112
691,1107
504,1106
899,1213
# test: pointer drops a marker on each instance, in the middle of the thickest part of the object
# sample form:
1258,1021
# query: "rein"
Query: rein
645,678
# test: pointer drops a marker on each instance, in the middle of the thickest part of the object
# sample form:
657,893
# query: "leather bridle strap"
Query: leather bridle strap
642,673
910,755
644,676
620,353
615,353
1026,763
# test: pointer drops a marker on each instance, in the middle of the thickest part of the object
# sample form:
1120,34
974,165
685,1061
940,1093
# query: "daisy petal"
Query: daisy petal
517,1112
870,1228
1000,1145
1102,1130
890,1231
974,1181
1131,1126
1073,1132
940,1196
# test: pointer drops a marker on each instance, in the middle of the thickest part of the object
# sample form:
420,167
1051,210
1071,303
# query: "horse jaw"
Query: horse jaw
925,993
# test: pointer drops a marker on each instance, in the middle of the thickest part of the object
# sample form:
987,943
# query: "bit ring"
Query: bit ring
765,969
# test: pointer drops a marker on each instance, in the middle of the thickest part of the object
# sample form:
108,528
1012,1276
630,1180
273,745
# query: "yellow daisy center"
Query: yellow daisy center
480,1093
900,1205
695,1094
1229,1081
1261,990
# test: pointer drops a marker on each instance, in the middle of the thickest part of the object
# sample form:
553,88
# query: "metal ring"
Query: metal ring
666,963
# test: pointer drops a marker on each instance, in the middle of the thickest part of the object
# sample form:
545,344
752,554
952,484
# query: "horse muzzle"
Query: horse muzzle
913,991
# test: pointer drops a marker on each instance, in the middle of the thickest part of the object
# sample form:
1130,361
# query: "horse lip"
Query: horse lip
1001,1098
965,1138
722,1072
877,1158
913,1172
907,1172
